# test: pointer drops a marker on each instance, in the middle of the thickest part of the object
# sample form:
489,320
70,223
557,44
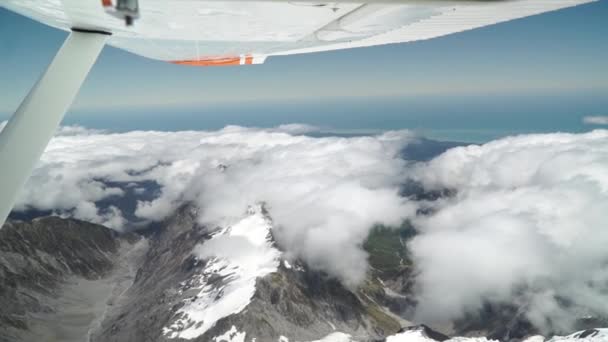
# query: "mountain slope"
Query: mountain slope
200,283
57,276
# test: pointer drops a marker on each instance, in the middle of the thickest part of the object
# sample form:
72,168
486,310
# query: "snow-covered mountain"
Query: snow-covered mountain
183,281
201,283
236,256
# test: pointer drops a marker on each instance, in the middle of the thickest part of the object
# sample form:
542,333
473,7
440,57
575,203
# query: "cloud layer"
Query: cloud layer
596,120
528,226
323,194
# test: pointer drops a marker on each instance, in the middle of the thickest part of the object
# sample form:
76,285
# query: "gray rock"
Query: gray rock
56,276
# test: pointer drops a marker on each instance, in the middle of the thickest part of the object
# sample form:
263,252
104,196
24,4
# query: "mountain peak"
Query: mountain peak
234,257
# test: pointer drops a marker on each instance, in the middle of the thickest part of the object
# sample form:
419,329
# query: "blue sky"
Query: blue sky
541,73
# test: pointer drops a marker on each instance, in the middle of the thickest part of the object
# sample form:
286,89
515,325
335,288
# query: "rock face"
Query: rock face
154,296
56,275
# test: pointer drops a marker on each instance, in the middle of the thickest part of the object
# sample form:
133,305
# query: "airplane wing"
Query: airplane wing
199,32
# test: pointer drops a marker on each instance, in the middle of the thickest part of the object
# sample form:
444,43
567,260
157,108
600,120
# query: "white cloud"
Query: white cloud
66,130
596,120
76,130
323,194
298,128
528,226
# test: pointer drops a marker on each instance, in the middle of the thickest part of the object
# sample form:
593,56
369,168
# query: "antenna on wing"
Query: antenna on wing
128,10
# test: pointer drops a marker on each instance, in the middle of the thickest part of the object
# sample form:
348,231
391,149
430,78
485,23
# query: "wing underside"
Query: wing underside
197,32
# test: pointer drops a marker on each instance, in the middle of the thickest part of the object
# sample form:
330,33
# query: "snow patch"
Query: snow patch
232,335
336,337
536,338
420,336
286,264
410,336
236,256
389,292
470,339
590,335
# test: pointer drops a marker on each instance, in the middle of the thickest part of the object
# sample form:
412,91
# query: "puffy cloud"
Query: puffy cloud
527,225
76,130
596,120
323,194
298,128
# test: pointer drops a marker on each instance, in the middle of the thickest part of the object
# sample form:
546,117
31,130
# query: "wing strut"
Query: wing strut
30,129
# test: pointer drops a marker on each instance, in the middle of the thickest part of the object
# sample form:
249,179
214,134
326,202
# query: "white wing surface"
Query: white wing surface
202,32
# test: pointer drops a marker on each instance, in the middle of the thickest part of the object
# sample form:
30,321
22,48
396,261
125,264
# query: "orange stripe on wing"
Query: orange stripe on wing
210,62
217,61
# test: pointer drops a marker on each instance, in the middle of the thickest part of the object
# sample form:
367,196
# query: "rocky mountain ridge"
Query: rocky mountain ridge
68,280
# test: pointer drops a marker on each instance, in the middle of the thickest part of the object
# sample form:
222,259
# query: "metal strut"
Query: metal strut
30,129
